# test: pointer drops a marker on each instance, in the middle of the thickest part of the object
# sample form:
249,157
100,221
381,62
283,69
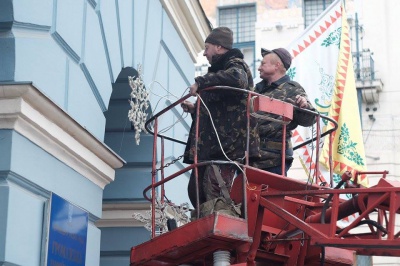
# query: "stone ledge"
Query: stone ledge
25,109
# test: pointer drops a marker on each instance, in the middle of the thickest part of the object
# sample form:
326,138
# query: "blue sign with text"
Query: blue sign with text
67,234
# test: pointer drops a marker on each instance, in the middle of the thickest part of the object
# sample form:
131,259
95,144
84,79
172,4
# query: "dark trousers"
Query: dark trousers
278,169
208,184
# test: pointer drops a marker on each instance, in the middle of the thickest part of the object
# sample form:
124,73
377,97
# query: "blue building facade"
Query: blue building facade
64,68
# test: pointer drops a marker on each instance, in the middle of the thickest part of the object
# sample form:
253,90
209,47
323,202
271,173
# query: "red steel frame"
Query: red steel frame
282,223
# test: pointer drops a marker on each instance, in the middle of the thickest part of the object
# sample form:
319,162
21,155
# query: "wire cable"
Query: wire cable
220,145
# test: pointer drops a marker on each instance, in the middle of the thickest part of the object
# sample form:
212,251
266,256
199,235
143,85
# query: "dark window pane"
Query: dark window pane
313,8
241,20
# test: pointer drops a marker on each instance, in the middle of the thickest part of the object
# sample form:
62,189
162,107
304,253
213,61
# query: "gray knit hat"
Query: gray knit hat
221,36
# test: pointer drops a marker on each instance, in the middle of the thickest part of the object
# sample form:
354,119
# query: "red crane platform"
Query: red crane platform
284,221
202,237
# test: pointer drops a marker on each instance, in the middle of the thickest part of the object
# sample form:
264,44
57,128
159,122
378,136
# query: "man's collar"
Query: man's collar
283,79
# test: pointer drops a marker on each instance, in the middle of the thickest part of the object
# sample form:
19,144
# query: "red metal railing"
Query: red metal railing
284,221
264,103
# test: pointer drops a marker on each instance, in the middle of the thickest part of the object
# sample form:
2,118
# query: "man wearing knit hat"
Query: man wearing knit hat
276,84
222,118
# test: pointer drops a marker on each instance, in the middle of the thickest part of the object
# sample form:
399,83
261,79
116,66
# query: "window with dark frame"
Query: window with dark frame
241,20
313,8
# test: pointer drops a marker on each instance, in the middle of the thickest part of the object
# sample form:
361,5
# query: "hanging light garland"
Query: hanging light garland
139,103
163,212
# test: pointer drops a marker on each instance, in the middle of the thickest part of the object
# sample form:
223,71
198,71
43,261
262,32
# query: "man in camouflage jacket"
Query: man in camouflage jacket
276,84
227,110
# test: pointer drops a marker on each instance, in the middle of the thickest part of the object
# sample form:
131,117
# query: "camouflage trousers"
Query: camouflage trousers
208,184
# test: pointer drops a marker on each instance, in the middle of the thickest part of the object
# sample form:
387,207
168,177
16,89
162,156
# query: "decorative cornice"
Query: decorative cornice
26,110
121,215
190,22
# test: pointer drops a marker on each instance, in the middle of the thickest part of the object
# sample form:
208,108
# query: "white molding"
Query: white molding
25,109
121,215
120,218
190,22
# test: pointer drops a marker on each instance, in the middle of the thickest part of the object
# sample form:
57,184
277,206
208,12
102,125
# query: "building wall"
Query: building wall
382,135
59,63
44,151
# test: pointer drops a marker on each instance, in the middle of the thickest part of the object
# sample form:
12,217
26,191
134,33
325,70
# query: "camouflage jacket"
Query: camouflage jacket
227,109
271,132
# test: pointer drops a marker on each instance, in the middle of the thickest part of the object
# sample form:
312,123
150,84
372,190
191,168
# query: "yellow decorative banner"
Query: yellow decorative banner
348,148
322,64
